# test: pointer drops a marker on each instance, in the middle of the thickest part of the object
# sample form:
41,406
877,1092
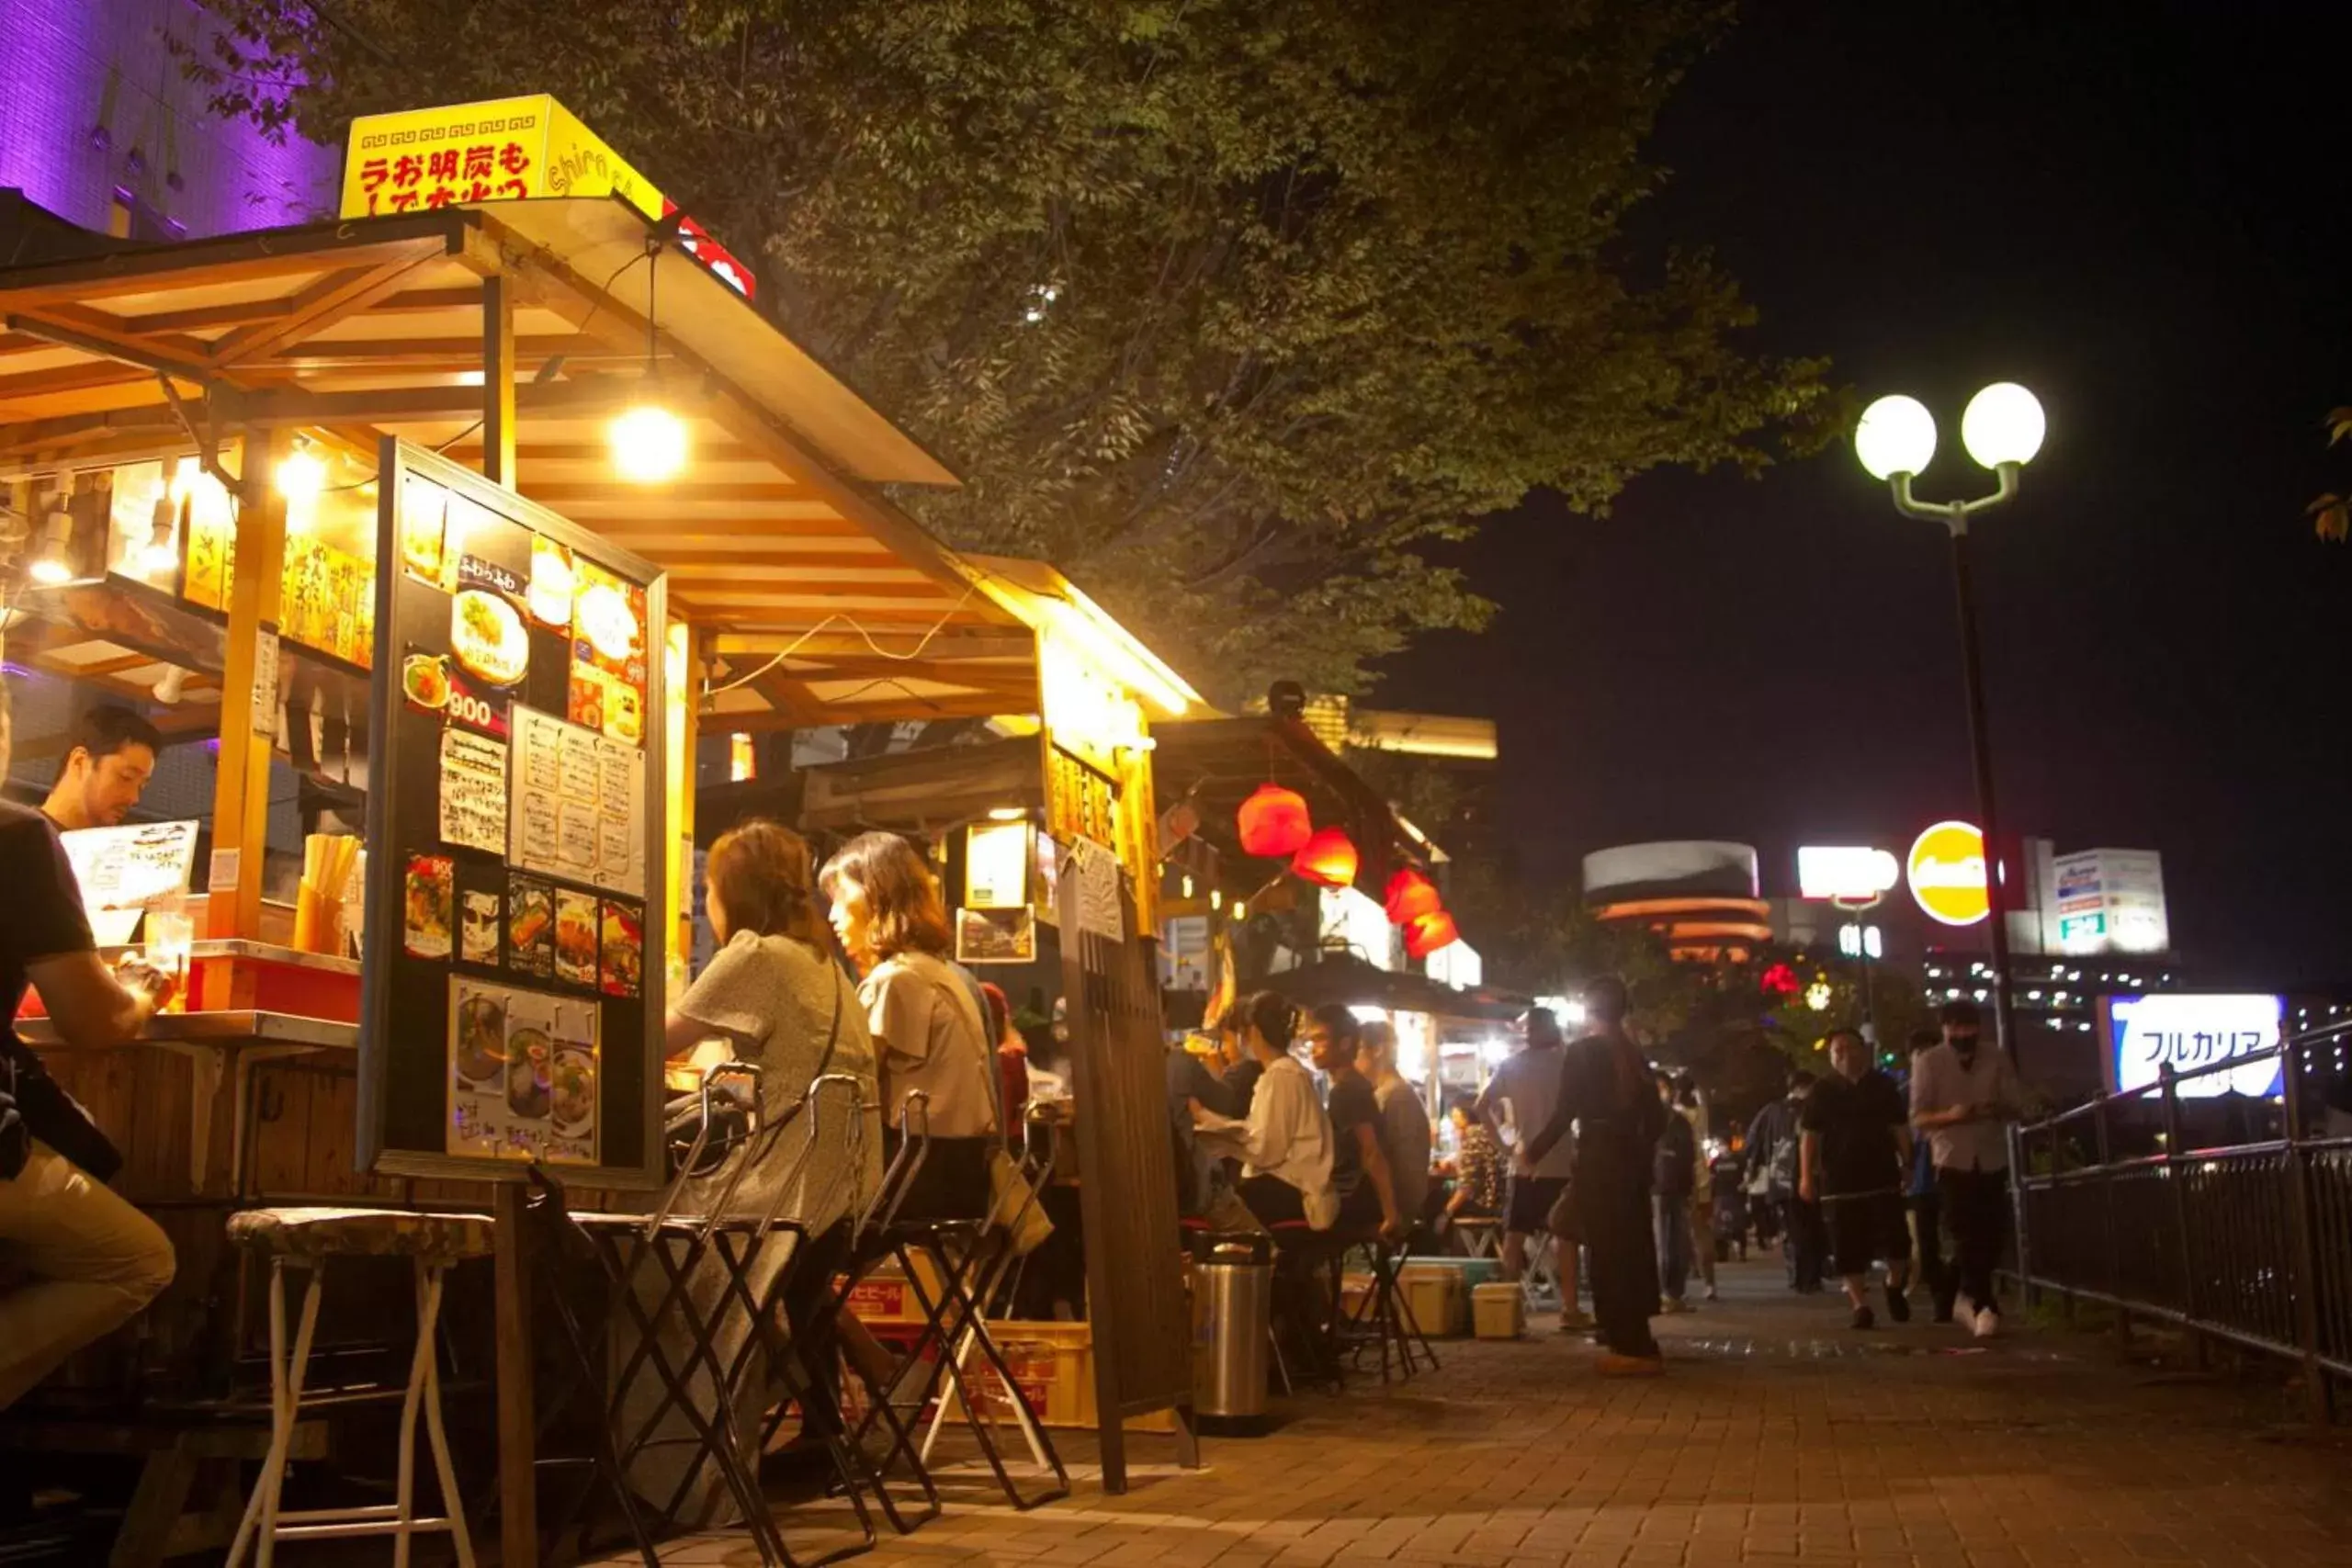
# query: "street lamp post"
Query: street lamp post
2002,429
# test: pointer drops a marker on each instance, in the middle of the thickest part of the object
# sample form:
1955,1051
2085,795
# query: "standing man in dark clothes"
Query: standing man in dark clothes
1606,1089
1674,1176
1772,1147
1962,1096
1927,1209
1857,1157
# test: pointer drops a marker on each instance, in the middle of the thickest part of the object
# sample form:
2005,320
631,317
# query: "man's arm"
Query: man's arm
1564,1112
1383,1181
1211,1090
1808,1165
91,1008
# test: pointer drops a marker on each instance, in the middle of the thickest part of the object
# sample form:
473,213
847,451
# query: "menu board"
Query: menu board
510,1015
122,870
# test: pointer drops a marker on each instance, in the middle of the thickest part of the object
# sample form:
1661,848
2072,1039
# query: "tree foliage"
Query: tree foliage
1232,308
2331,515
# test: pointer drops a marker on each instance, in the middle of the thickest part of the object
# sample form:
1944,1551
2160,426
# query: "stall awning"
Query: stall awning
1345,980
1213,764
774,536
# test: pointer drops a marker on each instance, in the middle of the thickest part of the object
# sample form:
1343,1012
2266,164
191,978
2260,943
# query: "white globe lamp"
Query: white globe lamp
1896,435
2003,425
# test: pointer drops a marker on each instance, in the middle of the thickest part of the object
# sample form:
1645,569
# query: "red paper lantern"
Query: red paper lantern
1411,896
1430,933
1275,822
1327,860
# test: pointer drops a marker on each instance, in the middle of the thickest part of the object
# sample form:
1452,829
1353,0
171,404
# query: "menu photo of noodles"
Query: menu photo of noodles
523,1075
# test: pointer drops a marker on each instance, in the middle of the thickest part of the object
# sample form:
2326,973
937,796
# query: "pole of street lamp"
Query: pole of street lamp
1980,748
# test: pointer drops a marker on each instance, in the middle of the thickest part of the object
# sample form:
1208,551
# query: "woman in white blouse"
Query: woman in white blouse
928,1028
1286,1146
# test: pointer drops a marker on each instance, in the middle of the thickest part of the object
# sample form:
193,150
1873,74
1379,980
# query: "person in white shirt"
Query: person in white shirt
1286,1146
1962,1096
1517,1103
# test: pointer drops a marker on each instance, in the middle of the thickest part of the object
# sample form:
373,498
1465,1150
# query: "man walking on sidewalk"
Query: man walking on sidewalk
1527,1086
1606,1089
1927,1211
1962,1096
1857,1149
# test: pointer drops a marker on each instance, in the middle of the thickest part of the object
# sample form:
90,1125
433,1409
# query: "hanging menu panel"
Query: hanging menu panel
509,1015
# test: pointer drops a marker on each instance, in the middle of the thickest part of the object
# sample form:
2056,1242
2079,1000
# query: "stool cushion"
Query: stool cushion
361,1232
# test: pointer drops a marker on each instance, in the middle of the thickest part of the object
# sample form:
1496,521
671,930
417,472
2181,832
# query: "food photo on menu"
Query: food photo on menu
530,927
623,948
575,938
523,1069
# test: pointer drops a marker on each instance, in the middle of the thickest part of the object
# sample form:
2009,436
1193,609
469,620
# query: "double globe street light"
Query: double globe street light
2002,429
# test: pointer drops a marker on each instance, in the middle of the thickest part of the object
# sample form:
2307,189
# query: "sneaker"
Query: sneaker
1614,1365
1713,1295
1898,1304
1577,1323
1863,1318
1963,1311
1673,1306
1986,1324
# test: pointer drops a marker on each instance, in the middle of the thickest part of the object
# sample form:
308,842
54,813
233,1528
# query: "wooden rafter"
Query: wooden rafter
241,261
318,307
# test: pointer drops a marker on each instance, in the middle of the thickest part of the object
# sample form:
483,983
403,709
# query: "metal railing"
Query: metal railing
2226,1213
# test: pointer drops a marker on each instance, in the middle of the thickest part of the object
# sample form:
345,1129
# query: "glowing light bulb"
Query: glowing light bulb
648,444
2003,423
1896,435
49,572
301,475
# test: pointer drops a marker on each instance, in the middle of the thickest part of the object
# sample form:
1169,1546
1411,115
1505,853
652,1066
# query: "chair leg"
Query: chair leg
286,1373
404,1483
452,1501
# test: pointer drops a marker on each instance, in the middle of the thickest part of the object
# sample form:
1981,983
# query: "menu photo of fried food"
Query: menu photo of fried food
530,927
430,912
624,948
575,938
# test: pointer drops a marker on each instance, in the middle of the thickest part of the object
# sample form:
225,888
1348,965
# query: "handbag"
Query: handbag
1015,1205
729,1118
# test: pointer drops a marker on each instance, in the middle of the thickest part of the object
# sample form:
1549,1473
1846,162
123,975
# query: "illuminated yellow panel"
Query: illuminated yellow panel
498,150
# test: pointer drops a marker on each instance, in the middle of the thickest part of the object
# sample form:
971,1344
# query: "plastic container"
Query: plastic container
1438,1298
1498,1311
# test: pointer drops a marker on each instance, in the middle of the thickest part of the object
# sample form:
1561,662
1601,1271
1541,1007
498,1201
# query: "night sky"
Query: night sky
2138,214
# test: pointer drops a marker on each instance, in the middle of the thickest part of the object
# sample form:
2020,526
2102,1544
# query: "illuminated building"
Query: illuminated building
1700,894
99,126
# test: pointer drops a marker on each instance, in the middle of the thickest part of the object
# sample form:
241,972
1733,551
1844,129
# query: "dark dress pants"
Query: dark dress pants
1614,1205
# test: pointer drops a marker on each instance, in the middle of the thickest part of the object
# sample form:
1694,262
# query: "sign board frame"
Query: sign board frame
407,1087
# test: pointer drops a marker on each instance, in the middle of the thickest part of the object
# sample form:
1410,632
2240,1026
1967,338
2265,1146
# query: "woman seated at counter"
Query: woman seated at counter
773,997
1285,1145
925,1015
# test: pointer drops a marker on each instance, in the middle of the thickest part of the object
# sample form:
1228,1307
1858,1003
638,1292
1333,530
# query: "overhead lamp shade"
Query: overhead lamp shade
1327,860
1411,896
1430,933
1275,822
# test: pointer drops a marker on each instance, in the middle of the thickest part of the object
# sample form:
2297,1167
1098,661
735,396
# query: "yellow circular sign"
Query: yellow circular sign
1947,874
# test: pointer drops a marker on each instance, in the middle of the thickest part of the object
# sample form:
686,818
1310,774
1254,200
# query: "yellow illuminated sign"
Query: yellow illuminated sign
503,149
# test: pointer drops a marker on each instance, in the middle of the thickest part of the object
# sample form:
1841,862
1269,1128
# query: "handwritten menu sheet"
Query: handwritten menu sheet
473,790
577,807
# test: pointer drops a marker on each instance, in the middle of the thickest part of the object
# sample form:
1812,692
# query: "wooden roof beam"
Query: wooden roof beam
318,307
241,259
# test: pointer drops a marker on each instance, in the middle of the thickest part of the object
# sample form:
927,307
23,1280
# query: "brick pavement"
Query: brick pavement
1779,1437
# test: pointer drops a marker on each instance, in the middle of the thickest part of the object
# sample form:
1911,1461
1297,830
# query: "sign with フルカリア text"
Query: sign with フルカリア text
2145,1034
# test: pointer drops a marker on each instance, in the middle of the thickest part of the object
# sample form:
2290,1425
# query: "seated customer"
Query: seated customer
1478,1167
1285,1145
1406,1136
928,1031
1360,1172
774,998
91,1260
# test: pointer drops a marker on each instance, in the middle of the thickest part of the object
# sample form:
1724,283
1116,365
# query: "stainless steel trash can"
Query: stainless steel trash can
1233,1296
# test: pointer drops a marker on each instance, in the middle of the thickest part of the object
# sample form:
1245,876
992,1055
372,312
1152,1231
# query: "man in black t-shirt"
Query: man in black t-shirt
1359,1173
93,1259
1856,1152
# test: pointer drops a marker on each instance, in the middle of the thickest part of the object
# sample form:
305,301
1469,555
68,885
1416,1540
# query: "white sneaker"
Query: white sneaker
1963,1312
1986,1324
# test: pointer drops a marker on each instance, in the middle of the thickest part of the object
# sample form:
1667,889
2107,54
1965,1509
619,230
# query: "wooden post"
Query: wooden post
249,687
518,1497
497,381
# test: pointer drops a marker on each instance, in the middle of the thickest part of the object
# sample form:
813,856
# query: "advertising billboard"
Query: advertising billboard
2144,1033
1947,873
2109,902
1847,872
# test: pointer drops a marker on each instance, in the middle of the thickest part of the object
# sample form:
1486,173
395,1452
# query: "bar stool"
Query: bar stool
306,1239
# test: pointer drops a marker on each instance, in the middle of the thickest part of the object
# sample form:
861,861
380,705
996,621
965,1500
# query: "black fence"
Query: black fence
2227,1215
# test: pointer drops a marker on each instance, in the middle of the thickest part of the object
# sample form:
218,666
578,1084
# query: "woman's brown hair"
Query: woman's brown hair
900,894
759,870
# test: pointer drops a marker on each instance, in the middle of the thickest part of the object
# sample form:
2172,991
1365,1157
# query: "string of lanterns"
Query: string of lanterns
1275,824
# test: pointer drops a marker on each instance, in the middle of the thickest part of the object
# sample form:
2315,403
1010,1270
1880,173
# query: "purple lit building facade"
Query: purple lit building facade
98,126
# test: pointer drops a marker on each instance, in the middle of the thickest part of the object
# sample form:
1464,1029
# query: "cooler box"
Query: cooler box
1054,1364
1498,1311
1437,1296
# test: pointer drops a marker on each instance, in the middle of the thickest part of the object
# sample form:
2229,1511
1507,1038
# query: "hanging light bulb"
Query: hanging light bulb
301,473
648,444
52,568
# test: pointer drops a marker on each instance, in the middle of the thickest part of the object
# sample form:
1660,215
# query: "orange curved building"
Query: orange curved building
1701,895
